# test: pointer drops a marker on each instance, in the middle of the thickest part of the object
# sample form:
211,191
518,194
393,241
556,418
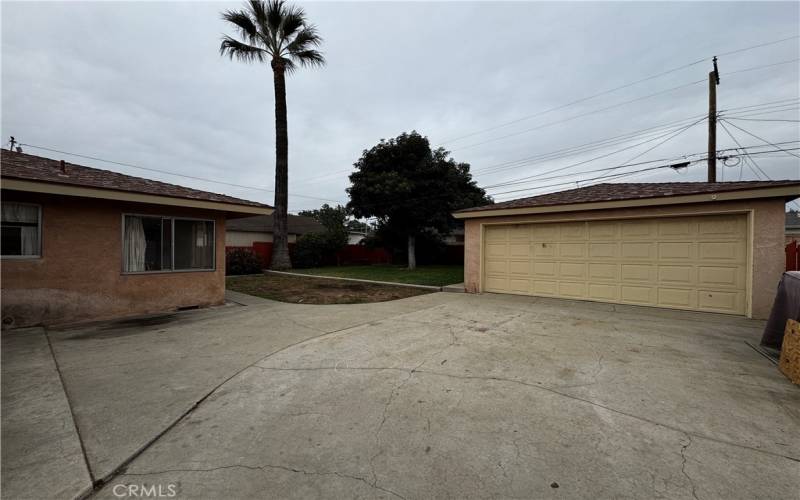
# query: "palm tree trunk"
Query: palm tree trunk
412,251
280,236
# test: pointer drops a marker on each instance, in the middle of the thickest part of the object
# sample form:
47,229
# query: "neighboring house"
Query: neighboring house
700,246
792,230
244,232
455,237
81,243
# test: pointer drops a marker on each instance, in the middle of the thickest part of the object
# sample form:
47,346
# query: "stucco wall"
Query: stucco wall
79,275
768,258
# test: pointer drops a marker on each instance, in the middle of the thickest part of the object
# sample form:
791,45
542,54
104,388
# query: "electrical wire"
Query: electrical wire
757,137
605,92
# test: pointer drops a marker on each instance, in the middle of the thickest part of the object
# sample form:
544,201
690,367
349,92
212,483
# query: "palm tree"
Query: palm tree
277,33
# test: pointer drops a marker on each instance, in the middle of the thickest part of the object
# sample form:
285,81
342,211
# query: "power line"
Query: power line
762,120
747,155
529,178
131,165
759,138
605,92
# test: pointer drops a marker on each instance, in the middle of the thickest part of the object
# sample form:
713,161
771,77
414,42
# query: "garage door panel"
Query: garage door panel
568,289
495,267
572,270
544,269
719,276
496,250
638,272
519,267
544,250
604,250
545,287
599,271
721,301
572,250
676,250
517,250
496,233
683,275
604,292
680,297
645,295
722,250
637,250
696,263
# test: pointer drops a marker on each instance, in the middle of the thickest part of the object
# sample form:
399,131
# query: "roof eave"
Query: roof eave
129,196
789,192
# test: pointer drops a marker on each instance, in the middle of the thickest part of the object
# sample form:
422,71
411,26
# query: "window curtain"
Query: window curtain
18,212
135,244
201,256
27,216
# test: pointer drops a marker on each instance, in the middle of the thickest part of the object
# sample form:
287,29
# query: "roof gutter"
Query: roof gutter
789,192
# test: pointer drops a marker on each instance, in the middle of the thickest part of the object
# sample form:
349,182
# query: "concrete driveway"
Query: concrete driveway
442,395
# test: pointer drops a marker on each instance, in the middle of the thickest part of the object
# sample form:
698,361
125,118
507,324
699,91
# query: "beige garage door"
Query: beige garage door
696,263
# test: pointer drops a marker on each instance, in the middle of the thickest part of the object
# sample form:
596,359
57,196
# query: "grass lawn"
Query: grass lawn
422,275
303,290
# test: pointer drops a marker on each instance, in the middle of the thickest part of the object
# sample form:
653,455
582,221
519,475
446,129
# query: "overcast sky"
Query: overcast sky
143,83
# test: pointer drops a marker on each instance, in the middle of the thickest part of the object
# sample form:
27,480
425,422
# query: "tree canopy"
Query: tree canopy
410,187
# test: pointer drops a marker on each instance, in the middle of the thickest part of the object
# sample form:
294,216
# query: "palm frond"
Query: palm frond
241,20
274,11
289,66
239,50
259,10
305,39
294,18
309,58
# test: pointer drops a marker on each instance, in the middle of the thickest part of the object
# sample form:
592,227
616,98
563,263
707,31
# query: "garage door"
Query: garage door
696,263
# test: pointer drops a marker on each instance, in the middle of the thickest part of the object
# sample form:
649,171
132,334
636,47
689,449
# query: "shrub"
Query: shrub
242,261
310,250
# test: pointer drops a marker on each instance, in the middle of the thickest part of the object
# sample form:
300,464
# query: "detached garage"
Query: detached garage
715,247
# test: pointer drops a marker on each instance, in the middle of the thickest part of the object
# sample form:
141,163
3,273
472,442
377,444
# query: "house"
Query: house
699,246
249,230
82,243
355,237
792,229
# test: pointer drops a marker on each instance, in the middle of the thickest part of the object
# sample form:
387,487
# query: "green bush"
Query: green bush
242,261
310,250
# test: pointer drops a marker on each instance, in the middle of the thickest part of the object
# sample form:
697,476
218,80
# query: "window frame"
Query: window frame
213,222
39,218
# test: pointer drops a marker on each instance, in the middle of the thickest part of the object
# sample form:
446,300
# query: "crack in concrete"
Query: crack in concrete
263,468
683,465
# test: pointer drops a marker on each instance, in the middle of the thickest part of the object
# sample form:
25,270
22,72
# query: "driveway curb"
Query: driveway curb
373,282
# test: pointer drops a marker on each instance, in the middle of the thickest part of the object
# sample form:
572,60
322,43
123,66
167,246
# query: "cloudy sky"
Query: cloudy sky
142,83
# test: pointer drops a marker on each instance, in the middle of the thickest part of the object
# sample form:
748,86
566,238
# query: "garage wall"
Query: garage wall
767,254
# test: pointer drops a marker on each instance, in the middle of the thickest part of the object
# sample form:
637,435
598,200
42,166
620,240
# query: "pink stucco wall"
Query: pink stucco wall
767,247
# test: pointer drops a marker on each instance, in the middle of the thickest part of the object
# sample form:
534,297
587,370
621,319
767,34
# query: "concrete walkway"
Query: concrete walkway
41,455
440,395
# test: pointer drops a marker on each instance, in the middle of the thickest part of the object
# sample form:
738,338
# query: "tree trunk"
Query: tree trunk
280,236
412,252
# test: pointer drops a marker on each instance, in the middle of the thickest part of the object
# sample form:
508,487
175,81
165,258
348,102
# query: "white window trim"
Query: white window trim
39,235
213,268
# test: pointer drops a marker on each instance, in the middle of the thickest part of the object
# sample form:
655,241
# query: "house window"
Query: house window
158,244
20,225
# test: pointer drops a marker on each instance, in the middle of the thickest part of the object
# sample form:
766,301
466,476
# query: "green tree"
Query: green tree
334,219
410,188
275,33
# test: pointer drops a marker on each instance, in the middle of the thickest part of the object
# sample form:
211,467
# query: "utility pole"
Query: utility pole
713,81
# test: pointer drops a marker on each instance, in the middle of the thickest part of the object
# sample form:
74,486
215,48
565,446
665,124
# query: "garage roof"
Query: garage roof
613,195
33,172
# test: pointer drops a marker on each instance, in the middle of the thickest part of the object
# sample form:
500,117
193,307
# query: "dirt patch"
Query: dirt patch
302,290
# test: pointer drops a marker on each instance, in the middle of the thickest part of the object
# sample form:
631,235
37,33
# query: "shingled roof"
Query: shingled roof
629,191
27,167
298,224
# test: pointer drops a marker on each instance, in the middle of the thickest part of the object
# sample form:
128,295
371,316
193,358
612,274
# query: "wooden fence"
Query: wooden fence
793,256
